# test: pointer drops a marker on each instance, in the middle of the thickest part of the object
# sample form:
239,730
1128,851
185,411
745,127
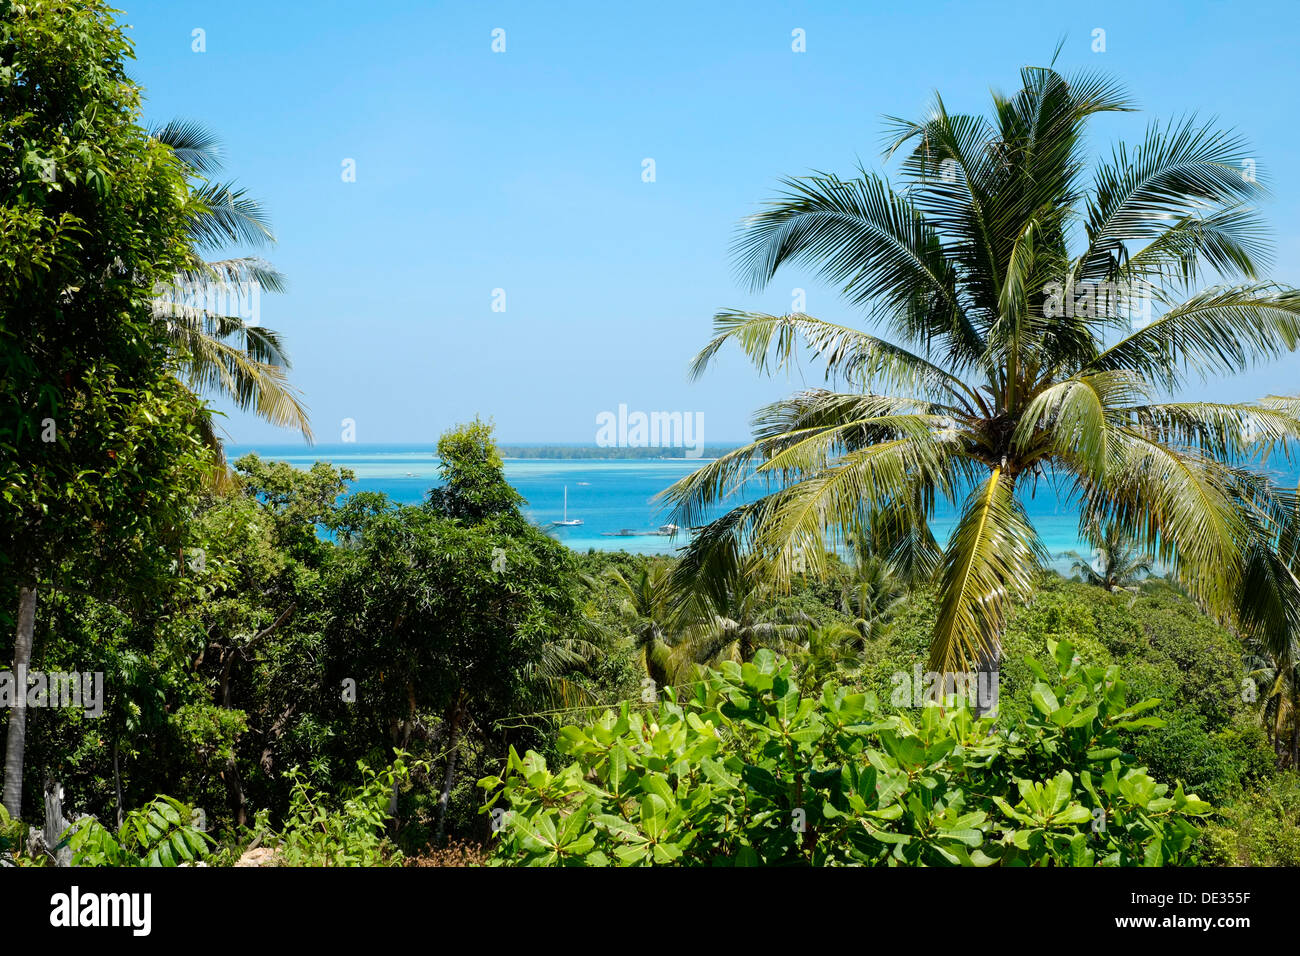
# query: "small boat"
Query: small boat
566,523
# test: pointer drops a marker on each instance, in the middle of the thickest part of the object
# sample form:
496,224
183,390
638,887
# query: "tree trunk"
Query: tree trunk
236,789
988,680
117,783
1295,730
453,738
56,824
16,741
407,726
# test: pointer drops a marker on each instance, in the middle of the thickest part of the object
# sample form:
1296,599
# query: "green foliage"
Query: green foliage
1260,828
1165,647
349,833
753,771
15,843
474,485
93,213
101,449
231,666
161,833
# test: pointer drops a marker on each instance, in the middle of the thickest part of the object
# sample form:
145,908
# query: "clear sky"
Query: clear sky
522,171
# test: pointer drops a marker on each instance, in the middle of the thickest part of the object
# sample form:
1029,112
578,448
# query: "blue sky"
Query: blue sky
522,171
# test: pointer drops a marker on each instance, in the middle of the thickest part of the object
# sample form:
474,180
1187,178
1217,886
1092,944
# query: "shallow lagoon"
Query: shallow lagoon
607,494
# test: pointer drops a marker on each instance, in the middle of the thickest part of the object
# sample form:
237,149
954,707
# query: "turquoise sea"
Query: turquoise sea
609,495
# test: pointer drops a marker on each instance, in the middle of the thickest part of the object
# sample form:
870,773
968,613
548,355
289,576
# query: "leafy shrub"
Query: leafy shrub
1261,828
316,834
161,833
753,772
15,843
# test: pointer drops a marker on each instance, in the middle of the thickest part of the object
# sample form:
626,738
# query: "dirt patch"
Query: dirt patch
453,854
262,856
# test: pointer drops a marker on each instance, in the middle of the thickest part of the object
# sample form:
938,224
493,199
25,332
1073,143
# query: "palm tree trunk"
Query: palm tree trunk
16,739
55,824
1295,726
987,680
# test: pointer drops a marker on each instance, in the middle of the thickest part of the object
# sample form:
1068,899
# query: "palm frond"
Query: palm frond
992,559
1180,170
193,143
771,343
1222,330
229,215
874,244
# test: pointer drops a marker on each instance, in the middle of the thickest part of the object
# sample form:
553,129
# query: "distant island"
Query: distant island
599,451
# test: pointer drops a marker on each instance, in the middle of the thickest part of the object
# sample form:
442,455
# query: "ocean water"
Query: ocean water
609,495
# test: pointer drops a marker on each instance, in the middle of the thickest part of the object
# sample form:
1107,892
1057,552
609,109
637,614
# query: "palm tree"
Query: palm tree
1268,614
552,672
1278,676
872,594
224,353
830,651
1002,273
730,621
647,606
1117,566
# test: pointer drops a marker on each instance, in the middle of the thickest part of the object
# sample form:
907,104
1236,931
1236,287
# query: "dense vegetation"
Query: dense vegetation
305,702
754,772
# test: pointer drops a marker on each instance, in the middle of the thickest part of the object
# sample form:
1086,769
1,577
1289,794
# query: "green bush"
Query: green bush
751,771
351,834
1165,649
15,843
1261,828
161,833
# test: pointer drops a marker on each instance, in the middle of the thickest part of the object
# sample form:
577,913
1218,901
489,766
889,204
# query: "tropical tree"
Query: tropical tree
1014,289
832,650
458,608
647,606
1278,677
1268,614
730,622
99,446
223,351
872,594
1116,564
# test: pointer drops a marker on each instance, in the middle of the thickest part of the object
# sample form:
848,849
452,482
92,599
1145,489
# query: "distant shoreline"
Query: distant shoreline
510,452
598,453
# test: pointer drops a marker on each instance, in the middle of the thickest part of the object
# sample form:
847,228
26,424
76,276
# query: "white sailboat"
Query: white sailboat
566,523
